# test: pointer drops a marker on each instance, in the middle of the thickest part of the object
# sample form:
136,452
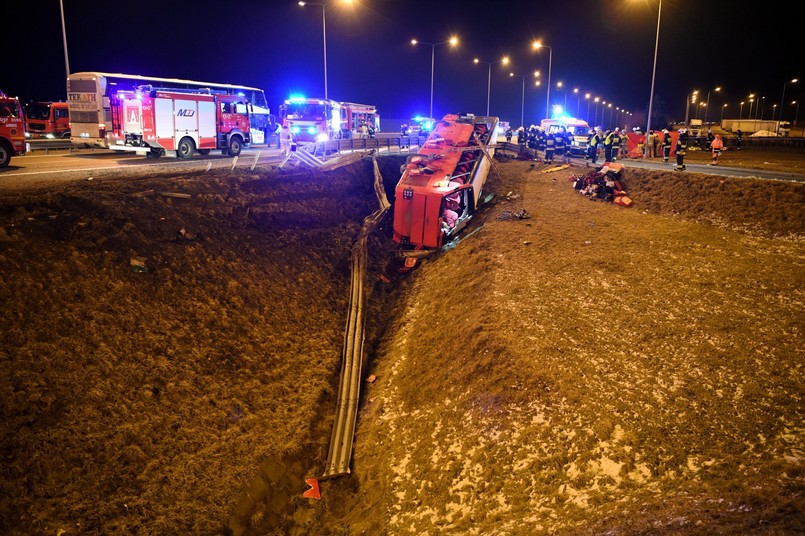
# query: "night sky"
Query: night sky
605,47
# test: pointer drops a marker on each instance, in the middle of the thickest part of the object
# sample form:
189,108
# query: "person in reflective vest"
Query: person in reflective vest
616,143
666,145
593,139
681,149
559,142
550,143
717,145
608,146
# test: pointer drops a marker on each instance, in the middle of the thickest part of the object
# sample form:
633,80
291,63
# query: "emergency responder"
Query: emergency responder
559,143
681,148
521,136
666,145
509,134
593,140
710,139
608,146
616,143
717,145
550,143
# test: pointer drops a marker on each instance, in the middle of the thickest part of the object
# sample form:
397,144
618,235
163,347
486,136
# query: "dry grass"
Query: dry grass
590,370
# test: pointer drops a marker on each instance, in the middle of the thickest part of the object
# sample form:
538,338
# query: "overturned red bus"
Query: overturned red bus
441,185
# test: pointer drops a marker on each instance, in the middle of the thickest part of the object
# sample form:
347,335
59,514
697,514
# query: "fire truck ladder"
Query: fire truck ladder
340,451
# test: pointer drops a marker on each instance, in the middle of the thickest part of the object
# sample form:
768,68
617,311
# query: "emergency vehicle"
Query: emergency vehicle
441,186
12,129
47,120
578,128
157,122
308,119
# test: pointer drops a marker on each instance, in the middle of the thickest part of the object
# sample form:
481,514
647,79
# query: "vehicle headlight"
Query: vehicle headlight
322,137
311,130
295,130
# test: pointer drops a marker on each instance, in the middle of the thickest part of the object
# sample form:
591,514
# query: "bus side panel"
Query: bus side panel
206,125
163,114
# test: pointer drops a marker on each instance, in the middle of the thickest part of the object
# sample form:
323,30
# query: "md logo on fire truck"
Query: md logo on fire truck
186,113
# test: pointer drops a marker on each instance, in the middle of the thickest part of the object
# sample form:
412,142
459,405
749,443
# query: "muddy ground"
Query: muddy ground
591,369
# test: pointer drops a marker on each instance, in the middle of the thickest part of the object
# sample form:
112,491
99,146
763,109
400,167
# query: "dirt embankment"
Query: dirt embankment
590,369
144,402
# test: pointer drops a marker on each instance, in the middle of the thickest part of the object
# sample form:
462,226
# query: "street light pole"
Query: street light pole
741,111
537,45
504,61
64,38
587,98
653,75
707,104
782,100
453,41
722,115
522,102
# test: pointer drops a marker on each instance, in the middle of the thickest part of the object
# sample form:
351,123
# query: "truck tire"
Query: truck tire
235,146
5,154
186,148
154,153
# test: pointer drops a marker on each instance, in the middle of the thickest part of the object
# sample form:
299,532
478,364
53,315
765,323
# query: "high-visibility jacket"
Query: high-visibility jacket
666,140
616,139
608,139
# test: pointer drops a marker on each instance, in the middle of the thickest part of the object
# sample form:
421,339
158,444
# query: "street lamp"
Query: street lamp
536,45
578,100
595,119
690,98
741,112
587,98
453,41
796,115
560,85
707,104
653,75
504,61
324,32
722,115
522,102
782,99
64,38
610,115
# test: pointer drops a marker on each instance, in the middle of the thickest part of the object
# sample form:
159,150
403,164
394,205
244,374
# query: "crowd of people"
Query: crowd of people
614,143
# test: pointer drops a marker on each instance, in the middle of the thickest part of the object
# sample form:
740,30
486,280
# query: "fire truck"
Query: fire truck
307,119
47,120
176,123
12,129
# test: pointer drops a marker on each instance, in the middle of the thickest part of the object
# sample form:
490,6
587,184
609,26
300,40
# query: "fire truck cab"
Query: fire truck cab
175,123
47,120
12,129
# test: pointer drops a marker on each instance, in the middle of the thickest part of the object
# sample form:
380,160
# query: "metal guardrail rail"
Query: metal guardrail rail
343,434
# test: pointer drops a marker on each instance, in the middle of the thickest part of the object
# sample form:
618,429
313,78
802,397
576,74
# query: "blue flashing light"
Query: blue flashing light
295,130
296,99
311,129
241,94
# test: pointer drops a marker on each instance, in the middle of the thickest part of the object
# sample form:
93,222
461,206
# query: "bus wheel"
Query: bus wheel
204,152
235,146
186,148
5,154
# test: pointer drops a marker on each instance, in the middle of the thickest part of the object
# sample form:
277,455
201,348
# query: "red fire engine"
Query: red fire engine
47,120
12,129
157,122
